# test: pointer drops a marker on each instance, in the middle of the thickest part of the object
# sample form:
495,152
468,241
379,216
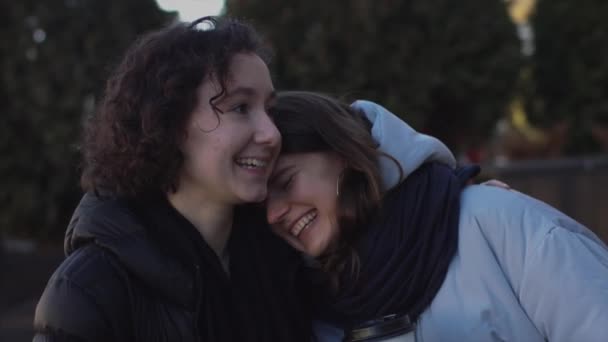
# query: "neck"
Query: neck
212,220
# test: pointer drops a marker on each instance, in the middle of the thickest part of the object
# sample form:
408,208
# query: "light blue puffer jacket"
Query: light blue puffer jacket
523,270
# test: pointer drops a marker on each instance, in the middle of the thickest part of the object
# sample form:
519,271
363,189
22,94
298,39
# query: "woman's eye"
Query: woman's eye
241,109
287,183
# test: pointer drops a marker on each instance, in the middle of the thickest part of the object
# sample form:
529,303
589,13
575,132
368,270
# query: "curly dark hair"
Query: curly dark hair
131,144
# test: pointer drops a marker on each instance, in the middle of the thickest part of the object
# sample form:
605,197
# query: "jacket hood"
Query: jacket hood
397,139
109,223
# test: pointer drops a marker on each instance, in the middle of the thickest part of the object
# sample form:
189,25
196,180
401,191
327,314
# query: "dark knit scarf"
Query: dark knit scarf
259,300
406,250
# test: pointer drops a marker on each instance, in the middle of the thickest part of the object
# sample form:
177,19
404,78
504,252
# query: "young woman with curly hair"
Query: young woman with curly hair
164,245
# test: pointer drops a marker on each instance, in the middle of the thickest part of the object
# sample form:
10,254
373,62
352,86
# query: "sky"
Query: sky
192,9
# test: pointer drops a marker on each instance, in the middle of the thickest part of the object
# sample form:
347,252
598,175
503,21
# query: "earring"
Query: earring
338,181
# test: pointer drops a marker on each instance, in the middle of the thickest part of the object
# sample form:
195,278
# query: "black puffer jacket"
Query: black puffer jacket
143,273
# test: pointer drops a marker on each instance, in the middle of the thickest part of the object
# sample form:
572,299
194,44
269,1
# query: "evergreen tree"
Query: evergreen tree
448,67
571,67
55,58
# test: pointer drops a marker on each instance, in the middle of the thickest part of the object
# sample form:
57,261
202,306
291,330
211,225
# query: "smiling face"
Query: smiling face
228,156
302,200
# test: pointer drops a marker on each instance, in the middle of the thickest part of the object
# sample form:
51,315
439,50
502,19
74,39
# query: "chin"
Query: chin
320,247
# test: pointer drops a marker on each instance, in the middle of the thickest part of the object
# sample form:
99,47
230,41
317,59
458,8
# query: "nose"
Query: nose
266,131
276,209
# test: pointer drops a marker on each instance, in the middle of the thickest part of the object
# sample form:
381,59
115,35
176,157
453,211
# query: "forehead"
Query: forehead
302,161
247,75
249,70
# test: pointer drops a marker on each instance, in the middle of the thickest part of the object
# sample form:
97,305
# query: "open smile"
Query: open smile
252,163
258,166
303,222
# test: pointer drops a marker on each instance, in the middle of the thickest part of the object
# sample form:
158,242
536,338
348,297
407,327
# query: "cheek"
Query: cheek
329,204
319,190
334,234
331,212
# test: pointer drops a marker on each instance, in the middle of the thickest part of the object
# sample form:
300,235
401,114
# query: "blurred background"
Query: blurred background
519,86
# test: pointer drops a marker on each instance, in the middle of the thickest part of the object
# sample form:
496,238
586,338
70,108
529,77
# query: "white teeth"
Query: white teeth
303,223
251,162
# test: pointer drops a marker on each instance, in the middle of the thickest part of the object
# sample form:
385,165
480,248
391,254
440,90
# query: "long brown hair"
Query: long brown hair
313,122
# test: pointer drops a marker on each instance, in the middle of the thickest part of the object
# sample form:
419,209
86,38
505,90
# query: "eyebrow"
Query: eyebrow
240,91
248,91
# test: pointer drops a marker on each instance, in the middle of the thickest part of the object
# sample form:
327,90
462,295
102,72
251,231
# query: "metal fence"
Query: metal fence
577,187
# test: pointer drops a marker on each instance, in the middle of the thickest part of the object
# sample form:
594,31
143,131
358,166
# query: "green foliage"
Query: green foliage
448,67
55,57
571,68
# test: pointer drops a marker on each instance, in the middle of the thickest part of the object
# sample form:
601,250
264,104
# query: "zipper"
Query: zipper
199,295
